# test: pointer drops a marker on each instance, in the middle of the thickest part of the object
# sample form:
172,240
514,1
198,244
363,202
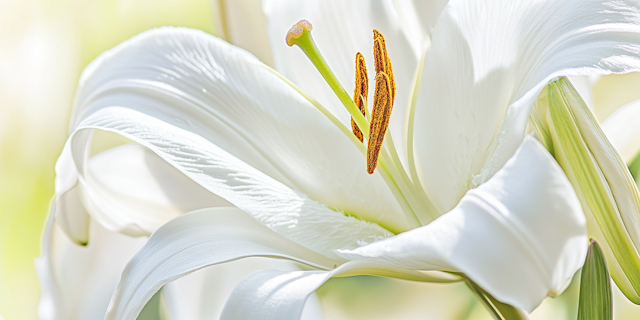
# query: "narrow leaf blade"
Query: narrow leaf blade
595,287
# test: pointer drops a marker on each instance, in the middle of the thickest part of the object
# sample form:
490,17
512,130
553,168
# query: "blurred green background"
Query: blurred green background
45,44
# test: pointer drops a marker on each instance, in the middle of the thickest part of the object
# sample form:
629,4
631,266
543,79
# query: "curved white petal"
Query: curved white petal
50,297
340,29
201,295
193,241
71,215
521,235
488,61
132,190
77,282
286,211
280,295
622,128
191,80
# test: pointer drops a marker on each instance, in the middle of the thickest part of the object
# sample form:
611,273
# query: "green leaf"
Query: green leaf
595,287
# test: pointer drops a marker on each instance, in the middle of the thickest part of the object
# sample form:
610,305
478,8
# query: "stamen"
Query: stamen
401,188
297,30
382,61
382,100
360,92
380,115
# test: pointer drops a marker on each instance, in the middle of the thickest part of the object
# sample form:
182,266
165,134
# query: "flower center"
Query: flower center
380,148
385,88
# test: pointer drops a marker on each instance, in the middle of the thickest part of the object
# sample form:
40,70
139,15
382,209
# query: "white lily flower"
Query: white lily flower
241,135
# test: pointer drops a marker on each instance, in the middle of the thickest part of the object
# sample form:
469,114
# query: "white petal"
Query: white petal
50,298
520,236
131,190
193,241
280,295
286,211
71,215
488,61
417,18
340,29
623,130
201,295
199,83
66,174
246,27
77,282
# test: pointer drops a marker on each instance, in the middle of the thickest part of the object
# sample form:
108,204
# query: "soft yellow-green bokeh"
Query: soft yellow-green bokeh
44,45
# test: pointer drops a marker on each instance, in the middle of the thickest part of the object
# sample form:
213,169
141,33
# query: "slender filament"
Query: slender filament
300,35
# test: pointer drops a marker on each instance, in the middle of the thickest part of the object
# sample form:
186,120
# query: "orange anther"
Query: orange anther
382,61
360,92
380,115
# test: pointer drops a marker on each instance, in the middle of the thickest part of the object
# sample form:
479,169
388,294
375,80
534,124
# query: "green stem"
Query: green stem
497,309
308,46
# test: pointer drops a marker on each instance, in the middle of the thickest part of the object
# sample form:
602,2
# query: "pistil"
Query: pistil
300,35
